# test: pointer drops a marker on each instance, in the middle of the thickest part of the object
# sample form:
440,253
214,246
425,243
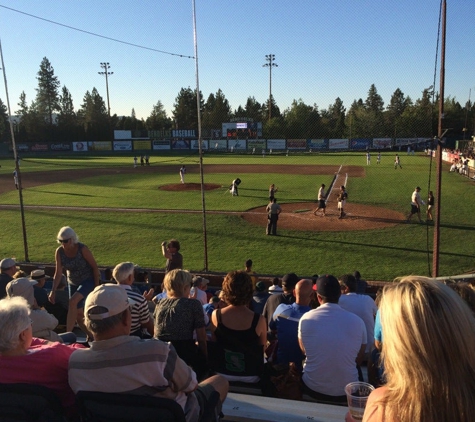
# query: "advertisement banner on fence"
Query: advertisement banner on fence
406,141
142,145
219,144
360,143
80,146
165,144
60,147
39,147
181,144
99,146
21,148
316,144
122,145
276,144
338,144
382,143
234,144
296,144
256,145
195,144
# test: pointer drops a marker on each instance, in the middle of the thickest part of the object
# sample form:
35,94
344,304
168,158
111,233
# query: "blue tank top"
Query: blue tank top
77,268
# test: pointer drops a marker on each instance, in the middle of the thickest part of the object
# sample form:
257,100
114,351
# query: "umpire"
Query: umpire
273,210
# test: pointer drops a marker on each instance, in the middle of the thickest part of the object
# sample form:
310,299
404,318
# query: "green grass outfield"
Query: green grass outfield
113,236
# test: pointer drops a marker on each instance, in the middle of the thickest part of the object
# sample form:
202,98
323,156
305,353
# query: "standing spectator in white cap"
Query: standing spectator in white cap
7,270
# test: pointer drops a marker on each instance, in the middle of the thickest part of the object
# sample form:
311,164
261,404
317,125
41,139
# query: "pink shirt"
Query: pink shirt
44,364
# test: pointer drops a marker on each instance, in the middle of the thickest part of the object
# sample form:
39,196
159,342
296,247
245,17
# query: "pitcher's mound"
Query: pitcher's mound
299,216
180,187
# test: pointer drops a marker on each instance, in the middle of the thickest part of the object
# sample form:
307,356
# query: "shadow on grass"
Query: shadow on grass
65,193
367,245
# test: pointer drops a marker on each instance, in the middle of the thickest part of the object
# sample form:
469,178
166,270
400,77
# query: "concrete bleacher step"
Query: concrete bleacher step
246,408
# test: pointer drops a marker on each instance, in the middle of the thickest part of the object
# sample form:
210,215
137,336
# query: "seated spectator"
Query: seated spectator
7,270
285,323
334,342
41,296
361,305
287,296
216,302
42,322
465,291
20,274
25,359
241,334
275,289
198,291
259,298
142,324
361,284
248,269
119,363
429,355
178,317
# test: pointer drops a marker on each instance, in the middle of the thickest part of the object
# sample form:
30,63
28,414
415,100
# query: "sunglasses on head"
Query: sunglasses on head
63,240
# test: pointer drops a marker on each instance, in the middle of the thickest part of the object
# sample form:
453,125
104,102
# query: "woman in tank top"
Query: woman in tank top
240,333
82,273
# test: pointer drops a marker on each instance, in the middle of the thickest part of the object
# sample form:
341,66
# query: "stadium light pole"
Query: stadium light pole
270,64
106,67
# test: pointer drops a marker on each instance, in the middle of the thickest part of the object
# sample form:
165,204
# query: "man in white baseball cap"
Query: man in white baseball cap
119,363
7,269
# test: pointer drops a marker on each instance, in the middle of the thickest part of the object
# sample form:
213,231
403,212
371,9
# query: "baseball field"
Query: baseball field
123,213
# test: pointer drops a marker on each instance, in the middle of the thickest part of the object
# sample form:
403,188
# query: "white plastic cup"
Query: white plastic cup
357,395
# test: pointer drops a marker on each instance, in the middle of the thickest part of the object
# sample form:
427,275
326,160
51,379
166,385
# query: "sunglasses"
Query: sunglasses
63,240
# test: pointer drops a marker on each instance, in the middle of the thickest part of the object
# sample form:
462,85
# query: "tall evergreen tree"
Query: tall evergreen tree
47,95
185,111
216,111
158,119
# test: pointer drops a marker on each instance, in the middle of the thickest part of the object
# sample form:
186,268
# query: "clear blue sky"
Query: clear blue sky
324,49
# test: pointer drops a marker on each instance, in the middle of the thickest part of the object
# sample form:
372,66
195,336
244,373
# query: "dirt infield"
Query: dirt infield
295,216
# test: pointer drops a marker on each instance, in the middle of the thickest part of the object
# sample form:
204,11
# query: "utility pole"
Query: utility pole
270,64
106,67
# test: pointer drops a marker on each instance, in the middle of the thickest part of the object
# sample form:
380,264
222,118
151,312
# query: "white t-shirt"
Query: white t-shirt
365,308
332,338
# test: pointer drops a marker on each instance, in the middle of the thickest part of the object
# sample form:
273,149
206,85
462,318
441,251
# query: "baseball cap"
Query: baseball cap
418,188
290,280
7,263
22,287
200,281
328,287
37,274
260,286
112,297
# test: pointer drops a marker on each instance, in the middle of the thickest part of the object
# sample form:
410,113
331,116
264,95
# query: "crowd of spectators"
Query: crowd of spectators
187,341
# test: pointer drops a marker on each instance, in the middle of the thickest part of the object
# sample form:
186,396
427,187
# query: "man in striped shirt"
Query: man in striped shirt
119,363
142,323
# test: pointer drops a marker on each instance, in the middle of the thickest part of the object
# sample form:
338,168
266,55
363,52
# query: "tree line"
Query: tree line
51,115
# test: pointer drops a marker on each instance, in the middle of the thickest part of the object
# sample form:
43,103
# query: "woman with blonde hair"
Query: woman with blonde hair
177,317
428,353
